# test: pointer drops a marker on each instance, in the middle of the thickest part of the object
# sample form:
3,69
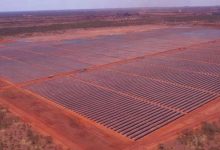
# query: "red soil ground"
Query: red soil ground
3,84
92,33
4,41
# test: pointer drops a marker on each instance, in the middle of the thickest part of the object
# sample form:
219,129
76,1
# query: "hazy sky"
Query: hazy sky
19,5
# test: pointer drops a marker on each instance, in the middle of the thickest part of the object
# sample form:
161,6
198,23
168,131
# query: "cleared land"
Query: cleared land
115,91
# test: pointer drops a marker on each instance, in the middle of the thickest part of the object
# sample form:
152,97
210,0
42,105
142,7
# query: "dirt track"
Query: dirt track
92,33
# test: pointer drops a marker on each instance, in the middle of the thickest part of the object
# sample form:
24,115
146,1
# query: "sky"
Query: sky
25,5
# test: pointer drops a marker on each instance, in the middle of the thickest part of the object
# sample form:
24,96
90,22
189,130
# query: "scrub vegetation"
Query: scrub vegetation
207,137
21,24
17,135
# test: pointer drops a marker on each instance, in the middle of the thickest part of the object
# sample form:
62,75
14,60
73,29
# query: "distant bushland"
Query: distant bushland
43,23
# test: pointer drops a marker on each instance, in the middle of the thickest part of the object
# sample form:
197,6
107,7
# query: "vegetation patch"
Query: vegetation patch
97,21
207,137
17,135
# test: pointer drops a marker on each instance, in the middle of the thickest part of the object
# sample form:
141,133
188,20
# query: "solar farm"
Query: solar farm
129,85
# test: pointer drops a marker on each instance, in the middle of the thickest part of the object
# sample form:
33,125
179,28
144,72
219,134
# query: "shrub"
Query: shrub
161,147
209,130
192,139
1,146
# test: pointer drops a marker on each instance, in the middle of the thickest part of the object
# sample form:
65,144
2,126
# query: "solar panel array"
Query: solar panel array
138,97
132,98
131,117
44,59
179,97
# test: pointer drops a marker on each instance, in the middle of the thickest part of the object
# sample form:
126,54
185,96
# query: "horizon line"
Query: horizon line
12,11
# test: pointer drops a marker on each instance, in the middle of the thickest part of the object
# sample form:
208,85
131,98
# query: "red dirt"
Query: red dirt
92,33
5,41
4,84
